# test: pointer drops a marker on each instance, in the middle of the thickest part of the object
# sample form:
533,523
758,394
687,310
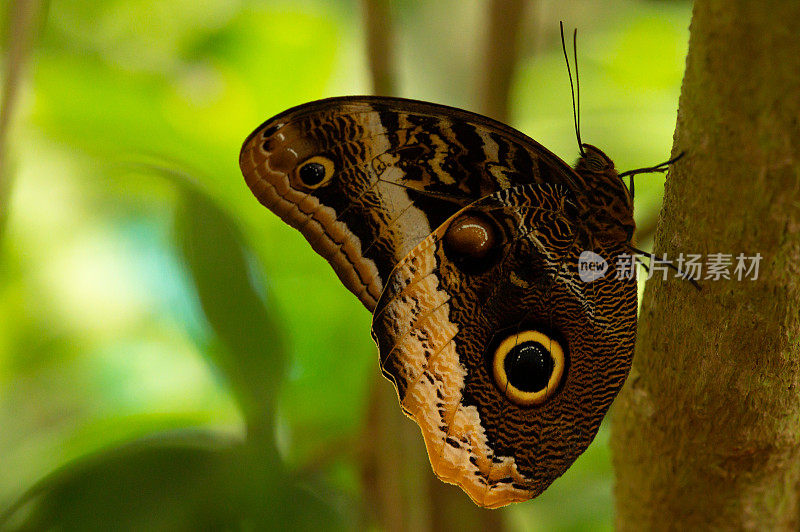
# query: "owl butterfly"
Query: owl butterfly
463,237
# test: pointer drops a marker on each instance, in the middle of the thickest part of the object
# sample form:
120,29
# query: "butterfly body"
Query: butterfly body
464,237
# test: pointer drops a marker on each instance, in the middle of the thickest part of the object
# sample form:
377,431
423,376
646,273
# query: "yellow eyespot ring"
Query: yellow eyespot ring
528,367
315,171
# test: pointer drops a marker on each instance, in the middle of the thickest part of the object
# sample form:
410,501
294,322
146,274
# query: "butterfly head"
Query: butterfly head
609,203
593,160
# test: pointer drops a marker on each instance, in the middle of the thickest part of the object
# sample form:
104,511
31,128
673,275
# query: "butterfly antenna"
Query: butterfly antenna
575,118
577,88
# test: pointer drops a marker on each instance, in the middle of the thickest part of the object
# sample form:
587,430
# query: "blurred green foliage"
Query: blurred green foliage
172,355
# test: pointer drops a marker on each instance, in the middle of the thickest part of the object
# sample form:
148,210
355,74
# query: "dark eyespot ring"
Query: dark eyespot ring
528,367
315,171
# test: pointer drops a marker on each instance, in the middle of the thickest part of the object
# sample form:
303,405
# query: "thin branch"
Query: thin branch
501,49
399,486
24,19
380,46
385,468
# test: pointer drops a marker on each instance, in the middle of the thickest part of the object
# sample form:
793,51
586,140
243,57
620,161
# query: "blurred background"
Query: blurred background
171,355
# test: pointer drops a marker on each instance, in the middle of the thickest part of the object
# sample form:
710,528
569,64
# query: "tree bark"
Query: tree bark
706,434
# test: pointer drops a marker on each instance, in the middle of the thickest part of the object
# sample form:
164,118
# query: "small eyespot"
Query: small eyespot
528,367
471,241
315,172
269,131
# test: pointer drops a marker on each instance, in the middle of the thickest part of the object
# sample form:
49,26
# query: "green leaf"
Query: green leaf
182,481
150,484
250,353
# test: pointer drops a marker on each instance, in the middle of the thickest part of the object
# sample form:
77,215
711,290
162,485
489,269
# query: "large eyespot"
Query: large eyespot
471,241
528,367
315,172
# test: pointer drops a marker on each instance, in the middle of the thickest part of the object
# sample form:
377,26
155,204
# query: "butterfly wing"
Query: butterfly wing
365,179
463,235
442,321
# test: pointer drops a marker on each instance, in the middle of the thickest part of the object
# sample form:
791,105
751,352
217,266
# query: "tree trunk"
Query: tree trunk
706,434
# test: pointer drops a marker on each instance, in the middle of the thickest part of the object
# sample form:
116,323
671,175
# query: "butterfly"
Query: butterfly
465,238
